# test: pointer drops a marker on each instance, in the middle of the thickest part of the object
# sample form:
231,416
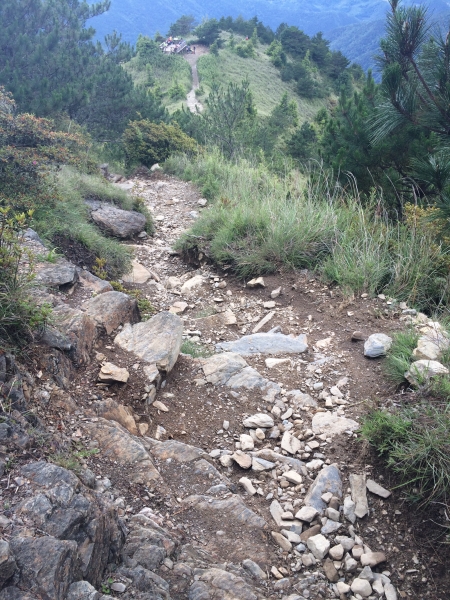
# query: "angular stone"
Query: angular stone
139,274
157,341
337,552
349,509
111,309
117,222
173,449
328,480
247,485
293,463
426,350
246,442
258,420
94,283
265,343
290,443
82,590
254,569
376,345
259,464
319,546
361,587
377,489
284,544
390,591
372,559
117,444
359,495
192,284
178,307
276,362
277,512
330,527
307,514
110,373
299,399
293,477
7,563
423,370
330,571
110,410
56,274
216,583
79,329
256,283
243,460
332,424
342,587
230,369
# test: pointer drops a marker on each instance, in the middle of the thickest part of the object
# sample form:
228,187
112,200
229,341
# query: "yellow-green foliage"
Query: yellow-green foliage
148,143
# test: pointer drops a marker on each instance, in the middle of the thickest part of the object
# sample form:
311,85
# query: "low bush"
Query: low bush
415,442
20,315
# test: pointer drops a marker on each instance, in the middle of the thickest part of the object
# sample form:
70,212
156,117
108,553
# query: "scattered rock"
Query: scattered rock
157,341
359,495
307,514
275,293
361,587
117,222
265,343
61,273
330,570
247,485
192,284
422,370
111,309
372,559
110,373
284,544
328,480
138,274
319,546
376,345
289,443
358,336
377,489
258,420
256,283
332,424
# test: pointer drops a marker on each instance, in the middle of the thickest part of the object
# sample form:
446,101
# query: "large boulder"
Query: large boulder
116,443
111,309
57,274
117,222
81,531
157,341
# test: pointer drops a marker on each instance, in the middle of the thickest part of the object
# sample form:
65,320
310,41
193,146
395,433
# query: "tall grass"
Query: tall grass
260,221
70,217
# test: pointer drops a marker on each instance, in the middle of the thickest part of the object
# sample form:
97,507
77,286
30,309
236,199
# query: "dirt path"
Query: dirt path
192,102
210,417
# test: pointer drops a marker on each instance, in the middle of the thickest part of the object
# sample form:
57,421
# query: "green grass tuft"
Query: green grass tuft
195,350
399,357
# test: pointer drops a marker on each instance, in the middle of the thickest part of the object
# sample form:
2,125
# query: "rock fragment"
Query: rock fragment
377,489
376,345
359,495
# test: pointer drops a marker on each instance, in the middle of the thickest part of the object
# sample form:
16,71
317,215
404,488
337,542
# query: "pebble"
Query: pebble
160,406
307,514
377,489
247,485
361,587
319,546
372,559
118,587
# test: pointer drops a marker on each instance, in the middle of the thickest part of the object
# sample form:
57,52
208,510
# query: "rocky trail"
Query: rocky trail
207,453
192,103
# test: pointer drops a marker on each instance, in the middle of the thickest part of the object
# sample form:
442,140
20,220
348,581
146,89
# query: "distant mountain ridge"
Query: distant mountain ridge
353,26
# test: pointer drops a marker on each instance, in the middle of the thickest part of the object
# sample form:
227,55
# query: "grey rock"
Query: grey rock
390,591
232,509
299,399
157,341
111,309
377,489
55,339
230,369
79,329
265,343
349,509
332,424
328,480
271,455
7,563
56,274
117,222
359,495
319,546
82,590
220,585
254,569
32,235
13,593
46,565
330,527
259,420
421,371
376,345
94,283
143,579
176,450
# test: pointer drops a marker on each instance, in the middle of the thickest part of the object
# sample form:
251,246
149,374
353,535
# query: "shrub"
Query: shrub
20,316
177,92
416,445
147,143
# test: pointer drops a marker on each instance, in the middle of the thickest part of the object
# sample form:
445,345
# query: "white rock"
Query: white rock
377,489
275,293
332,424
343,588
192,284
349,509
247,485
337,552
376,345
422,370
160,406
259,420
256,283
226,460
361,587
276,362
293,477
110,373
290,443
243,460
335,391
332,514
359,495
426,350
259,464
307,514
390,592
139,274
319,546
246,442
350,564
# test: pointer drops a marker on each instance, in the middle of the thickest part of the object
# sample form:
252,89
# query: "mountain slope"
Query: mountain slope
132,17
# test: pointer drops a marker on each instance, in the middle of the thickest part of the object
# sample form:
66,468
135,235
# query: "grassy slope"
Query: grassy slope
265,81
179,72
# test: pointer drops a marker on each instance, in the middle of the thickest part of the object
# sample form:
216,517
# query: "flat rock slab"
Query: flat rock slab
328,480
110,373
112,309
331,424
116,443
157,341
56,274
138,274
231,369
117,222
94,283
178,451
228,509
265,343
377,489
221,585
359,495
